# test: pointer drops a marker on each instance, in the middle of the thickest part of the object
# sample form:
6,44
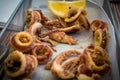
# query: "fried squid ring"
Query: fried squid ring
98,61
84,71
21,41
64,65
20,65
101,61
32,16
101,38
97,24
43,53
72,15
65,24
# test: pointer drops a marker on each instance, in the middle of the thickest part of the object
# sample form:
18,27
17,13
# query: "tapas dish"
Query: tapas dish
37,46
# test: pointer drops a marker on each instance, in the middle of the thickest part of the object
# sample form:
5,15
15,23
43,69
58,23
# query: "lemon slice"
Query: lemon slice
60,8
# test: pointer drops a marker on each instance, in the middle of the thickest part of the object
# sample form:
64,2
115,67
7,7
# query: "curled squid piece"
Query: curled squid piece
62,37
101,61
84,21
98,61
35,29
70,29
42,52
21,41
94,63
64,65
20,65
33,16
76,16
72,15
97,24
101,38
84,71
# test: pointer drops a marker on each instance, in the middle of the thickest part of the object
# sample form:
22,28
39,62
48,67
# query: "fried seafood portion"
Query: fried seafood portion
33,16
42,52
72,15
98,24
101,38
84,21
34,29
64,65
91,65
76,16
98,60
51,42
20,65
21,41
73,21
70,29
57,25
94,64
52,24
62,37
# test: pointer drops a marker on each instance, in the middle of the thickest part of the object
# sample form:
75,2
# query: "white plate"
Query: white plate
85,39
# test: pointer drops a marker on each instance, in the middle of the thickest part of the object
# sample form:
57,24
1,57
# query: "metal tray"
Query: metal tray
94,12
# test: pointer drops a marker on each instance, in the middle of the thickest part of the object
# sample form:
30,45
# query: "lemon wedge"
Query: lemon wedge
60,8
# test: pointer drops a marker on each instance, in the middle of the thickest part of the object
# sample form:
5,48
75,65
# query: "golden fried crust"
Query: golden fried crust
32,16
84,22
21,41
64,65
98,60
17,57
94,64
101,38
85,77
62,37
71,29
98,24
72,15
42,52
34,28
20,65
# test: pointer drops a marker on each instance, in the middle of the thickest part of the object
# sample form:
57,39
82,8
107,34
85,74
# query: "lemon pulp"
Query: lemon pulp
60,8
